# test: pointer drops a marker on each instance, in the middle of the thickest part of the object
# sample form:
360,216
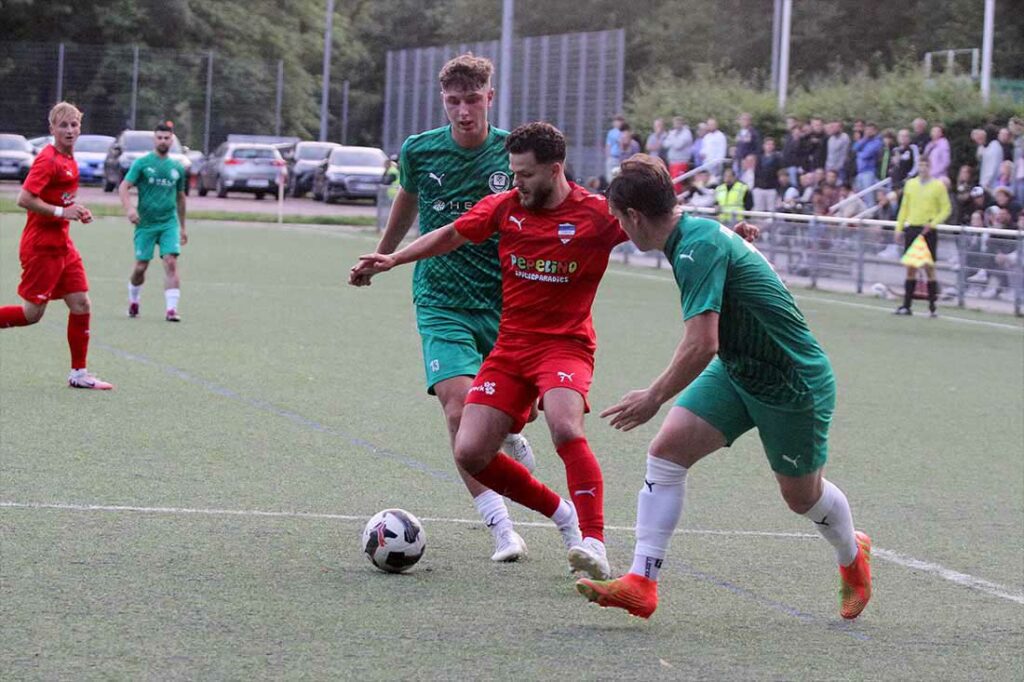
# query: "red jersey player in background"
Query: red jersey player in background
51,266
554,242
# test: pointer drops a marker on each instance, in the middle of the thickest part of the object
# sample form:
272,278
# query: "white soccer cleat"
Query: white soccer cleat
570,531
79,378
518,448
591,558
509,547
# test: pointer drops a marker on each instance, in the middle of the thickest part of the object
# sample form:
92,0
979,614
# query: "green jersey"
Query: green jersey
448,180
763,339
158,180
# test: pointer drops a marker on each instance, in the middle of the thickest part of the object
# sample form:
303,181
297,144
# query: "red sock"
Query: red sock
12,316
508,477
78,339
586,486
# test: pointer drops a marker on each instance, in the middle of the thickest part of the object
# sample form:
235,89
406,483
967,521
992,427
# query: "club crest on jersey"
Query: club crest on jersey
566,231
498,182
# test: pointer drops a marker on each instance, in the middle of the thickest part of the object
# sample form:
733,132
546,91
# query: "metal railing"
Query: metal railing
851,254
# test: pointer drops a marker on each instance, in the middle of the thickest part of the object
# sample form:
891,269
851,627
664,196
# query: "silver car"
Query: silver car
16,156
242,167
350,173
90,154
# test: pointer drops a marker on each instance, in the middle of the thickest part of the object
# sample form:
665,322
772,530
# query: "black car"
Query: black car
304,161
350,173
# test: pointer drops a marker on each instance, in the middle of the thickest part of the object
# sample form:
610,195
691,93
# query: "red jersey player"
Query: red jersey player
554,242
51,265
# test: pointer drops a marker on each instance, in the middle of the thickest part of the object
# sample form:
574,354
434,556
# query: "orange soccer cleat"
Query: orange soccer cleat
635,593
855,580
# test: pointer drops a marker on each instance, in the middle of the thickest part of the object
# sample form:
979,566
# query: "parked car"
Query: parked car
242,167
16,155
39,142
307,157
350,173
131,145
90,154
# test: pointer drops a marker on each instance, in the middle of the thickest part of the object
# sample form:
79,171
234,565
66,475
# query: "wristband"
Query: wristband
58,211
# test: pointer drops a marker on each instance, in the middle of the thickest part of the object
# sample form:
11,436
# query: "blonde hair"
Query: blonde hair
63,110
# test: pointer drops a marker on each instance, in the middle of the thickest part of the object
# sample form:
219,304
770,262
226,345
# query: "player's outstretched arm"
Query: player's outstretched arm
434,243
695,351
126,202
31,202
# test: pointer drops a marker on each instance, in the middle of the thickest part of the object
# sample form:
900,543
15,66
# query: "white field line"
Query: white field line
955,577
833,301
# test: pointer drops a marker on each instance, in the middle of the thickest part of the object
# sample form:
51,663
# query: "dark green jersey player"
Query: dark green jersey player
159,218
748,359
458,296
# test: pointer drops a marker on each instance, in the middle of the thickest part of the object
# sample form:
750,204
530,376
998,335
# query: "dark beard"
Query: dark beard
537,199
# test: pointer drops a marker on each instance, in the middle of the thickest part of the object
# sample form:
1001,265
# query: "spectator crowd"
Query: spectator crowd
824,167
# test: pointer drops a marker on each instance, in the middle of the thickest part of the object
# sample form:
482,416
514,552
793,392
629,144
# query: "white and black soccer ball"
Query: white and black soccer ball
394,540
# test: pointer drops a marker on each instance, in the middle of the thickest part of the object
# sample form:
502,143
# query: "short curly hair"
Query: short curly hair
466,72
643,184
543,139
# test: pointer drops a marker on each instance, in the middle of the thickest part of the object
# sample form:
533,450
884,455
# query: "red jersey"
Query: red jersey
551,260
54,179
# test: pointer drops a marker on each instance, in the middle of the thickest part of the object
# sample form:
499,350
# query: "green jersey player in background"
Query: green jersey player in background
458,295
159,218
748,359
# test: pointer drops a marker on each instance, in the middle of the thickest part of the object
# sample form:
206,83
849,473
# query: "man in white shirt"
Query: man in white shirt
990,155
714,149
678,147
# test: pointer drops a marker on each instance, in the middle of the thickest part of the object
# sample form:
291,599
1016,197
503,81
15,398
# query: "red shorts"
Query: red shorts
49,276
516,373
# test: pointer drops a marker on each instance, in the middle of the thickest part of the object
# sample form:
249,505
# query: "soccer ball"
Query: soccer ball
394,540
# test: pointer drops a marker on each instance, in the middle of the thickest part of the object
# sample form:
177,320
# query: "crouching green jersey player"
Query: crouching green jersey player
458,295
748,359
159,218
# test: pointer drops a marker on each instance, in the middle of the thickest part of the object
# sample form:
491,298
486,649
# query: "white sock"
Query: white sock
832,517
564,514
172,296
659,506
134,293
491,507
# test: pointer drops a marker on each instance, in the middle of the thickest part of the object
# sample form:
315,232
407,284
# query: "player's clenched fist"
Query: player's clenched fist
368,266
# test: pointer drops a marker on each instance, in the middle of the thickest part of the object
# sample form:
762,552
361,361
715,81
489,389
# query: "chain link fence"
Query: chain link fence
573,80
208,96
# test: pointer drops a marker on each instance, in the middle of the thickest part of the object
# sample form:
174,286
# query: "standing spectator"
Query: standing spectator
903,163
1016,127
628,146
748,170
1006,141
714,148
885,161
678,147
963,205
793,153
837,148
921,137
925,204
869,151
937,153
816,145
858,129
698,144
656,140
989,155
748,140
766,176
732,196
612,149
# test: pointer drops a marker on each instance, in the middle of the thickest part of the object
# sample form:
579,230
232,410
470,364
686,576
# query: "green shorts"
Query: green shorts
455,341
795,437
167,235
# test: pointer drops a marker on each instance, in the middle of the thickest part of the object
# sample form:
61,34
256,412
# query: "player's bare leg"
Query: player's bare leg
818,499
135,283
508,545
21,315
172,287
564,409
683,440
79,314
481,432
